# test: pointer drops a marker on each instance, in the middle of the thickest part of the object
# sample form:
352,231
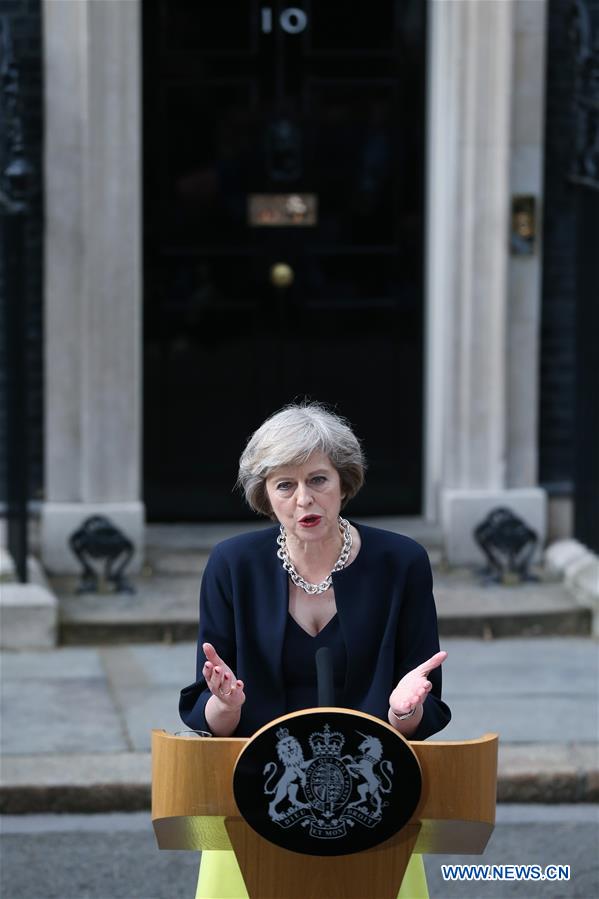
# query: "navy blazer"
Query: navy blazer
386,613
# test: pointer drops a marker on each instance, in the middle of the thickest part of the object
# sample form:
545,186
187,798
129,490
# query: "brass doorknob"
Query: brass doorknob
281,274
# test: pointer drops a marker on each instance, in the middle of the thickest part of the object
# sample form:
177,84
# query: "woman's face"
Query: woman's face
306,499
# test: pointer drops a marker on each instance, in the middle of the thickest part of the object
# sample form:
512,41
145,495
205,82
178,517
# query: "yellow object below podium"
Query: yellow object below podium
220,878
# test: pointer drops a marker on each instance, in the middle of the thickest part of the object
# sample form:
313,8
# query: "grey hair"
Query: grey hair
289,437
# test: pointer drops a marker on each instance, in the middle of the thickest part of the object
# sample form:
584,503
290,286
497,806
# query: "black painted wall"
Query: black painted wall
25,23
562,284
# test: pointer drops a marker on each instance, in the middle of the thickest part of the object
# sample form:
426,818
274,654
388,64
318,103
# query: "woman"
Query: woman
270,599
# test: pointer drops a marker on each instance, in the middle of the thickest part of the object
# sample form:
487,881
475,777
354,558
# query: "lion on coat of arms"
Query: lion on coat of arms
291,755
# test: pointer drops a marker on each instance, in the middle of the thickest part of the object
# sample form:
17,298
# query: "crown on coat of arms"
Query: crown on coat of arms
326,742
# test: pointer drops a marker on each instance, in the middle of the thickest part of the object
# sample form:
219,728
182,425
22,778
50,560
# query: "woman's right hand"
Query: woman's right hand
221,681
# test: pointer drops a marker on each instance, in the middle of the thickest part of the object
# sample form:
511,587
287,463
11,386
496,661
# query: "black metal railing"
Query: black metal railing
583,174
15,180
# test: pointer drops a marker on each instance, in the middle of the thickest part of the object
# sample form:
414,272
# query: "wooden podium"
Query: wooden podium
193,807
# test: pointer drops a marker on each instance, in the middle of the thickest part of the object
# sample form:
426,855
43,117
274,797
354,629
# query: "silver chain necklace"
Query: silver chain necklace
298,580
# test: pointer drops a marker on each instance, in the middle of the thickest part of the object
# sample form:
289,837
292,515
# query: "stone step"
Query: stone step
165,609
110,782
468,608
184,548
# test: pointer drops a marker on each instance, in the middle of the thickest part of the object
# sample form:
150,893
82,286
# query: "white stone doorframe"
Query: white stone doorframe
93,297
485,136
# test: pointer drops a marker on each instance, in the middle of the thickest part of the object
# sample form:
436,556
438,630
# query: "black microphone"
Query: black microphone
324,676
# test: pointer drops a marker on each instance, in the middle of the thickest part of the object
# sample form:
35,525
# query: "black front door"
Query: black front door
284,197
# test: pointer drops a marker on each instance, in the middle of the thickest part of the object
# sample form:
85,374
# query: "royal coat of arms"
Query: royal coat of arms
329,792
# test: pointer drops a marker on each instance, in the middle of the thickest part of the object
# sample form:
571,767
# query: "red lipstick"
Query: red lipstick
310,521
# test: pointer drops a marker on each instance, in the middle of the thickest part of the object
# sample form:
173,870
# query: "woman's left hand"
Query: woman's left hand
414,686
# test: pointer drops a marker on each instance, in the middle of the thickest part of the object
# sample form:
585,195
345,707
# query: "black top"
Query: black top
299,667
386,614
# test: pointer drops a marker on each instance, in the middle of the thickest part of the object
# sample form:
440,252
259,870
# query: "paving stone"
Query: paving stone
521,718
143,709
59,716
556,666
152,664
60,664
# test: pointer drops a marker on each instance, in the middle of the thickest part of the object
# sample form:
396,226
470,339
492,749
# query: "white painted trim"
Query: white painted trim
93,270
439,269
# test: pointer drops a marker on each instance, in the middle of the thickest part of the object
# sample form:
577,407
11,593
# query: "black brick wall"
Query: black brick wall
25,23
560,277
